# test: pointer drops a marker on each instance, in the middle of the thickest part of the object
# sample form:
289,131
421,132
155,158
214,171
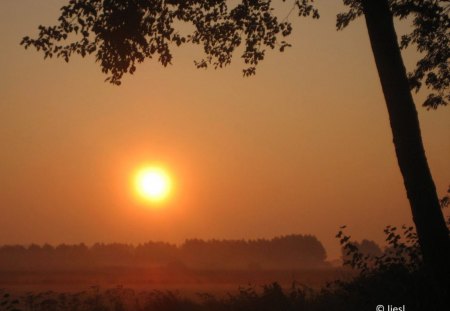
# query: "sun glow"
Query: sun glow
153,184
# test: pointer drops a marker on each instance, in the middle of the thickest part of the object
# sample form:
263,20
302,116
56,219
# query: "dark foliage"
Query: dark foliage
122,34
269,298
7,303
397,277
365,247
430,35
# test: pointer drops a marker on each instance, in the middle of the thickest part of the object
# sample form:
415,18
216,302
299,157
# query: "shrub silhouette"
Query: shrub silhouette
397,277
7,303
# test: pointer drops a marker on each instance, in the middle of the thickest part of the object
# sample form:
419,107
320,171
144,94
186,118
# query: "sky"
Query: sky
302,147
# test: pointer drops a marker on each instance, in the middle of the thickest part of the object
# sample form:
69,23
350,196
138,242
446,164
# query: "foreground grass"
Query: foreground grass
395,288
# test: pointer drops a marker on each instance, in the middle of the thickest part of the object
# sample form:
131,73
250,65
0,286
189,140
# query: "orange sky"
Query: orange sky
302,147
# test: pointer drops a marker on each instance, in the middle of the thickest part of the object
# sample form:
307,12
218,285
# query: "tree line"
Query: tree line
290,251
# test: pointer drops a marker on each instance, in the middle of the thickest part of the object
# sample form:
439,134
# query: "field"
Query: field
186,281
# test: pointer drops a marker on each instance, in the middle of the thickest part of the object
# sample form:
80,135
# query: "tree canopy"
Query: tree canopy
124,33
430,34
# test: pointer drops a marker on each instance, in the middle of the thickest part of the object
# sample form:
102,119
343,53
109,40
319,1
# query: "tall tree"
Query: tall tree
421,191
427,215
122,33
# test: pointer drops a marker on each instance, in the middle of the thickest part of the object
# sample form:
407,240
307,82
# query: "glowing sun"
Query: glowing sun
152,184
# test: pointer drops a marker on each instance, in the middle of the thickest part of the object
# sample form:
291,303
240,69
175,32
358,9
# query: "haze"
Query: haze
303,147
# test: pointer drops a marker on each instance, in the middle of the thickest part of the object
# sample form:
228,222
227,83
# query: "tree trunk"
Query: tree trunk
427,214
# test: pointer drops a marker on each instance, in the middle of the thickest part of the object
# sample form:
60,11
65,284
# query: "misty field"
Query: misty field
215,266
160,288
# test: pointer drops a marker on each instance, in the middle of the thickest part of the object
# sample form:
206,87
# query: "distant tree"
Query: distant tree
12,256
305,249
365,247
370,247
123,33
156,252
290,251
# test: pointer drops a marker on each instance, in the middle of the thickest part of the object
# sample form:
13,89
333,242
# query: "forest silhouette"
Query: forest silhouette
285,252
